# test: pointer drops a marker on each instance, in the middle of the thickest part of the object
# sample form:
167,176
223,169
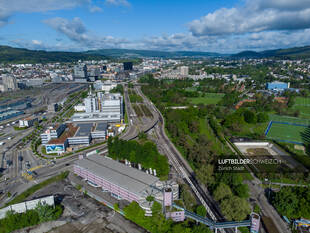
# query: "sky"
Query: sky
224,26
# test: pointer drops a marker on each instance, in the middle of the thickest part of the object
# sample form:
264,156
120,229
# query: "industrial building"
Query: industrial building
82,135
106,86
57,139
278,86
52,107
100,130
125,182
28,122
16,105
5,115
101,107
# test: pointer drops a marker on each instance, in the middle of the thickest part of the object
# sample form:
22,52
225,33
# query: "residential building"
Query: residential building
184,70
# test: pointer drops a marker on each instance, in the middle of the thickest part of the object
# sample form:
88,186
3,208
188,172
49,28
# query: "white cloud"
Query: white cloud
76,31
254,16
10,7
37,42
118,2
94,9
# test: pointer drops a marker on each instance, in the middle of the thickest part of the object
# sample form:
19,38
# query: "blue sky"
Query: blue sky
202,25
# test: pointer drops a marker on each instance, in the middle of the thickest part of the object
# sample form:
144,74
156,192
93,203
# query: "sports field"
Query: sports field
209,98
295,120
303,105
291,133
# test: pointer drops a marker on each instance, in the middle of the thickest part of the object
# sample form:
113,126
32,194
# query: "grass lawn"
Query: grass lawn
293,133
303,105
209,98
216,144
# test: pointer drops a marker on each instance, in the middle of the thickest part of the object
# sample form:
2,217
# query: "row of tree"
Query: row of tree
186,129
144,153
158,223
292,202
42,213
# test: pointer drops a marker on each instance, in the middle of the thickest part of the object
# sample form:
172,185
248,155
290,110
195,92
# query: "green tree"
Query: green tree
116,207
242,190
262,117
221,192
205,173
45,212
249,117
201,210
235,208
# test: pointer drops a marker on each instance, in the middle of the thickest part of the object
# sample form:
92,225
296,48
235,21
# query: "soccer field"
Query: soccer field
289,133
209,98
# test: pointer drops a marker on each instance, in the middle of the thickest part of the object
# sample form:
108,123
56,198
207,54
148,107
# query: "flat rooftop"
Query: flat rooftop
68,132
84,130
131,179
102,126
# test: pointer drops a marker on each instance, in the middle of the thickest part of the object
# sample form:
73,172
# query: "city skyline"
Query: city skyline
214,26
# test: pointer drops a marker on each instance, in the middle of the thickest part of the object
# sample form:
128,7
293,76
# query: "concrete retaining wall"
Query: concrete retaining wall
27,205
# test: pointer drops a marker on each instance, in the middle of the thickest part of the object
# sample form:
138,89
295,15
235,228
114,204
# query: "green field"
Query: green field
290,133
303,105
209,98
289,119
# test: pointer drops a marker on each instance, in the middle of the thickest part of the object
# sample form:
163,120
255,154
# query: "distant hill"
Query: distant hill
290,53
17,55
129,53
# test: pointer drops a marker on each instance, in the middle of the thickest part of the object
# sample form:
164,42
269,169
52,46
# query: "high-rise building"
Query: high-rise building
80,73
184,70
127,65
9,82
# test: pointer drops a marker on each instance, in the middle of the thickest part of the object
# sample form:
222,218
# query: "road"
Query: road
17,184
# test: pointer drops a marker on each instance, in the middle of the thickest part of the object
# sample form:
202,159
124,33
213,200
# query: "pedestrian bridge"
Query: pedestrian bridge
212,224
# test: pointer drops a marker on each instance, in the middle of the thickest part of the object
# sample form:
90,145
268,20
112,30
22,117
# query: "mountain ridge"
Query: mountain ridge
21,55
